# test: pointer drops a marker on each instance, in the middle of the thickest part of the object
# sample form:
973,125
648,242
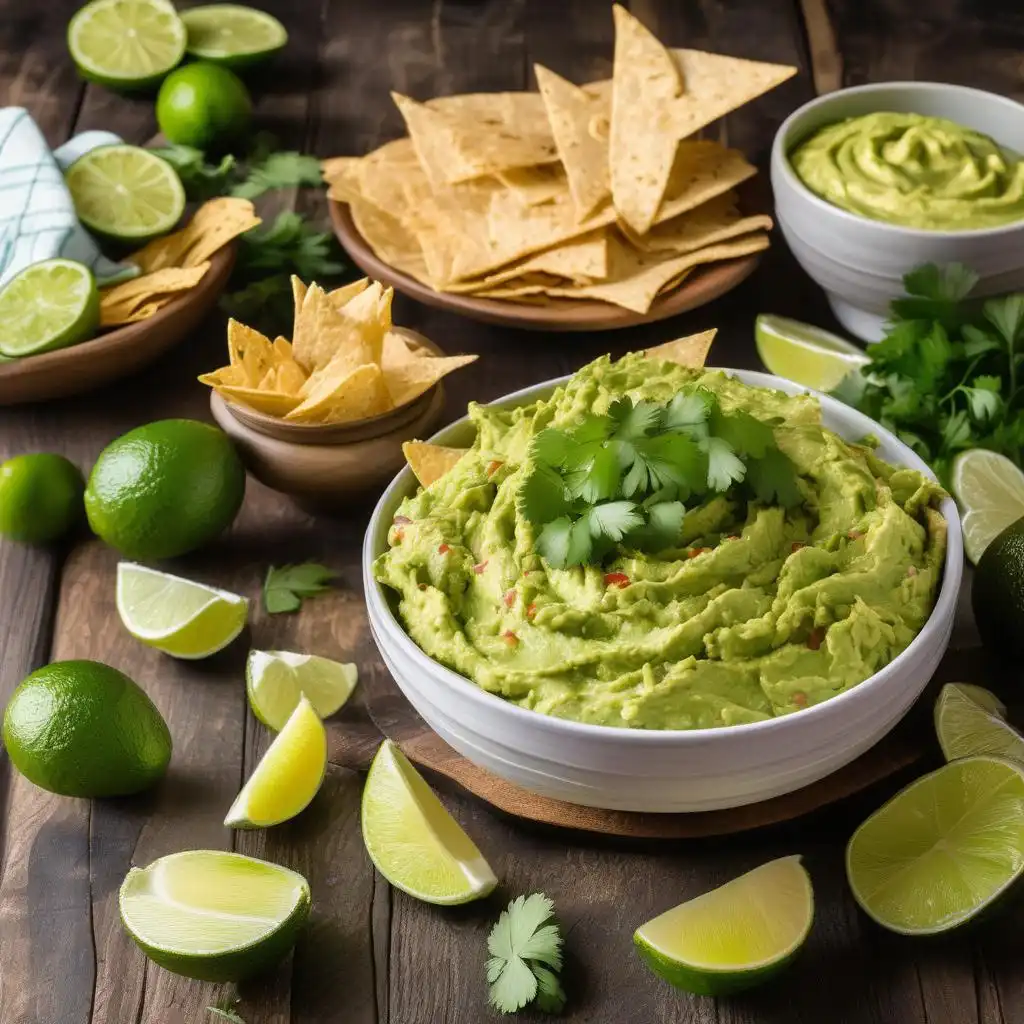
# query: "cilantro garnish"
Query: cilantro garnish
225,1010
285,588
623,478
526,954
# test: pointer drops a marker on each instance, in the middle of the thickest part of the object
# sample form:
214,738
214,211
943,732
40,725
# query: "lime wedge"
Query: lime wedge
277,680
176,616
989,489
126,44
413,841
48,305
213,915
733,937
125,193
233,35
968,724
288,775
943,849
804,353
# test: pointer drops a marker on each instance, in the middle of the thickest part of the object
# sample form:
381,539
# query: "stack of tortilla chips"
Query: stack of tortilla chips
344,363
595,192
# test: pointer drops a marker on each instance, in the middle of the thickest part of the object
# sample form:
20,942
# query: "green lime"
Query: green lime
81,728
970,720
997,592
276,680
203,105
126,44
734,937
46,306
989,489
413,841
164,489
214,915
233,35
176,616
804,353
125,193
943,849
40,497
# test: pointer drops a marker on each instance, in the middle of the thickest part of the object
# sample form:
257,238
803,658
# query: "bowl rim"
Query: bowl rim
780,158
941,616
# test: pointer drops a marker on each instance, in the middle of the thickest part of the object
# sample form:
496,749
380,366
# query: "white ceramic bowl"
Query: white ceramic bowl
670,770
861,262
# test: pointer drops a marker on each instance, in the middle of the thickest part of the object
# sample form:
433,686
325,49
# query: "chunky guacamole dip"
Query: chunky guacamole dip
757,610
921,172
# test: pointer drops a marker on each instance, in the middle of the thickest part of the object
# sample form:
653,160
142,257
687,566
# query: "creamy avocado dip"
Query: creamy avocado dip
921,172
759,611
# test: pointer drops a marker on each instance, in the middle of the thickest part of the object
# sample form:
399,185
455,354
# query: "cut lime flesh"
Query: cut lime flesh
47,306
804,353
989,489
231,34
413,840
943,849
967,725
276,680
214,915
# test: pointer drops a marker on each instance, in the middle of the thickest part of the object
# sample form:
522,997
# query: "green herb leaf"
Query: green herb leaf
284,169
663,528
525,951
1007,315
225,1011
614,519
774,480
285,588
724,466
200,179
553,542
543,496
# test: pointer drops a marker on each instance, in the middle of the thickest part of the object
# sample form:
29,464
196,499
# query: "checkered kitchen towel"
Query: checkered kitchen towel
37,215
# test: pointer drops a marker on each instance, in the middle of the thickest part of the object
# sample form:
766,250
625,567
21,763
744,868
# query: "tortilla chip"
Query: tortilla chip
290,376
232,376
357,395
534,186
251,351
370,306
715,221
701,171
139,298
408,380
326,335
390,240
273,403
298,292
347,292
691,351
430,462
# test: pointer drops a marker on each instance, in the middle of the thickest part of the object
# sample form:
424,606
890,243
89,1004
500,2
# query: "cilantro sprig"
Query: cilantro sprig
624,477
285,588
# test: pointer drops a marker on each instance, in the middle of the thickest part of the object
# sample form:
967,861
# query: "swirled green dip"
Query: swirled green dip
921,172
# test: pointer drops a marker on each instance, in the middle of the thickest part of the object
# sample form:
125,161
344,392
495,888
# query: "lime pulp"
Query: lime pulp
804,353
277,680
989,489
232,34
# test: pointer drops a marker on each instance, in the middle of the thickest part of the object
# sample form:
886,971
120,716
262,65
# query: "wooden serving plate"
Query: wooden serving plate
116,353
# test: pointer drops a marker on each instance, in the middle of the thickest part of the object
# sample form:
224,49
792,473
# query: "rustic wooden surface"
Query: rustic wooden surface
372,955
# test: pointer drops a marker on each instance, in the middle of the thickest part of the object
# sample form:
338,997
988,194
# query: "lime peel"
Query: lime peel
989,489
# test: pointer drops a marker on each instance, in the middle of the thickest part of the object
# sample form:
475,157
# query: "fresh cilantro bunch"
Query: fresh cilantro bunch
948,374
623,478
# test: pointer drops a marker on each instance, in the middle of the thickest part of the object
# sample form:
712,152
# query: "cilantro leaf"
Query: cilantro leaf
614,519
552,447
543,496
688,412
724,466
553,542
551,996
1007,316
634,420
285,588
201,180
978,341
601,480
774,480
283,169
225,1010
983,397
663,528
525,952
742,432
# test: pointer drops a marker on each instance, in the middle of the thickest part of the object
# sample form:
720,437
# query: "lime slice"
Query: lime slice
414,842
176,616
990,491
804,353
277,680
48,305
733,937
288,775
968,725
125,193
126,44
213,915
943,849
232,34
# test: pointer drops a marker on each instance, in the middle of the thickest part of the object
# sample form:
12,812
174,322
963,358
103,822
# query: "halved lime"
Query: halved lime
48,305
277,680
232,34
126,44
989,489
804,353
413,841
214,915
175,615
943,849
125,193
968,724
733,937
288,775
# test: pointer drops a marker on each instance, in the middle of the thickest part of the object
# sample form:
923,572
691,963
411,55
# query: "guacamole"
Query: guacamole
921,172
758,611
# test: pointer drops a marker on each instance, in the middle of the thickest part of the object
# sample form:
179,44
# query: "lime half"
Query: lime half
48,305
413,841
125,193
177,616
233,35
968,723
126,44
733,937
989,489
943,849
804,353
277,680
213,915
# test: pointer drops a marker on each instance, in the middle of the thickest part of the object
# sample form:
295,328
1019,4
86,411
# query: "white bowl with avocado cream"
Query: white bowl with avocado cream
860,262
663,770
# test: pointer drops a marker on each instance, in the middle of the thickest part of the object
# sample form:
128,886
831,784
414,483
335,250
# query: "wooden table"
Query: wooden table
371,954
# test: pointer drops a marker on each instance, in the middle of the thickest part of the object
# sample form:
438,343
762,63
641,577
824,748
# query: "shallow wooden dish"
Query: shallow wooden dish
116,353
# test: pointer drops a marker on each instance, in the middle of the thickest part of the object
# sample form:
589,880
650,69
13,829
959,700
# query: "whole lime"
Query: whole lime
81,728
165,489
40,497
997,593
203,105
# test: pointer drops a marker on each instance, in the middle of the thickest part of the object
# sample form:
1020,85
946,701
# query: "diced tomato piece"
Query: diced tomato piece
399,534
694,552
816,637
493,467
401,520
480,566
423,586
443,549
797,545
509,597
800,699
855,534
531,610
911,570
733,536
616,579
510,638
